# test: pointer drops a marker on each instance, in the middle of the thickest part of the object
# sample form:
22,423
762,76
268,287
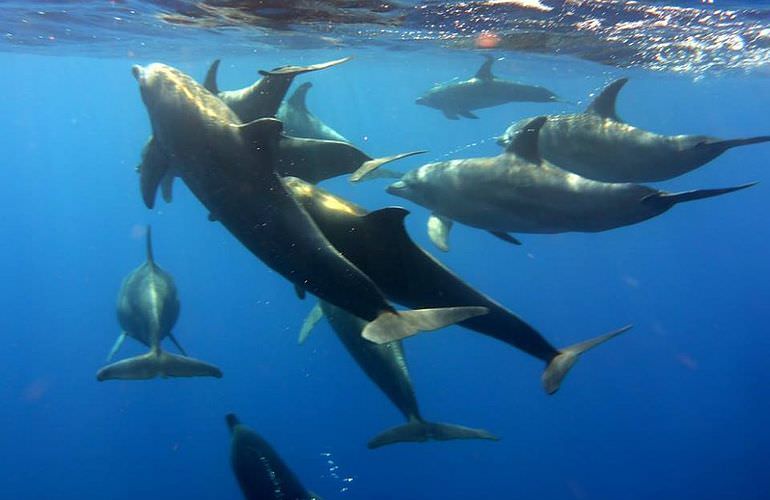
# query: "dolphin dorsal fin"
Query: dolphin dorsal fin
604,104
485,71
524,142
232,421
148,243
391,217
211,77
297,99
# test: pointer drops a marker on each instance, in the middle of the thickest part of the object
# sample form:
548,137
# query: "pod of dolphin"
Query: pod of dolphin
253,159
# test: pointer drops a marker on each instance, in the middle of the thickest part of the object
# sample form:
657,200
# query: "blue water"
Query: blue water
677,408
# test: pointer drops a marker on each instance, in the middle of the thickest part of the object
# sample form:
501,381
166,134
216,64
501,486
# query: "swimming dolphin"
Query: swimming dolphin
598,145
385,365
260,472
148,308
378,244
518,191
483,90
301,122
228,166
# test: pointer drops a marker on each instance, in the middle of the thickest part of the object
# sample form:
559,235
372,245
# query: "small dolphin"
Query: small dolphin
260,472
484,90
301,122
385,365
518,191
378,244
229,167
148,308
598,145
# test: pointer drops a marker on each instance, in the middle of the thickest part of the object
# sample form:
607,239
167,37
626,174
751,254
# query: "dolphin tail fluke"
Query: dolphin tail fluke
721,146
390,326
420,431
298,70
671,199
157,363
368,168
561,364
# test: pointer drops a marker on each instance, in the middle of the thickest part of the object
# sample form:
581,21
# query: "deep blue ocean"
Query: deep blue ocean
675,409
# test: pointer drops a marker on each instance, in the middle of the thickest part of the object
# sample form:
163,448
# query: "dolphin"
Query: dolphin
228,166
377,242
148,308
260,472
301,122
598,145
483,90
385,365
519,191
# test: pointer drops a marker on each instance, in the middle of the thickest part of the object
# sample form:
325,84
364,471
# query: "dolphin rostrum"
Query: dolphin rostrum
259,470
229,167
148,308
598,145
385,365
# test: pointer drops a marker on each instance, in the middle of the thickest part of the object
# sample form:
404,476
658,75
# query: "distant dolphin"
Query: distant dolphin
301,122
260,472
378,244
598,145
518,191
385,365
229,167
484,90
148,308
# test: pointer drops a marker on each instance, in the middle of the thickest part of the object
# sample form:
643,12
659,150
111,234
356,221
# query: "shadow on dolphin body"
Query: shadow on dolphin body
148,308
378,244
385,365
598,145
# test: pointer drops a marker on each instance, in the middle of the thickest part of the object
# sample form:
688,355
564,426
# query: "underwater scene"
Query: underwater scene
331,249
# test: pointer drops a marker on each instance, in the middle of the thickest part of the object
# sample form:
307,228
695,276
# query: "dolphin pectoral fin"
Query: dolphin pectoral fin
312,319
663,200
152,170
365,171
116,347
438,231
297,70
505,237
210,82
167,187
559,366
468,114
157,363
604,104
177,344
420,431
452,115
390,326
524,142
485,71
300,292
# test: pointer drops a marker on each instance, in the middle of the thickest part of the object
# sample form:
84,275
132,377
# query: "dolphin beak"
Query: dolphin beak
138,72
396,187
